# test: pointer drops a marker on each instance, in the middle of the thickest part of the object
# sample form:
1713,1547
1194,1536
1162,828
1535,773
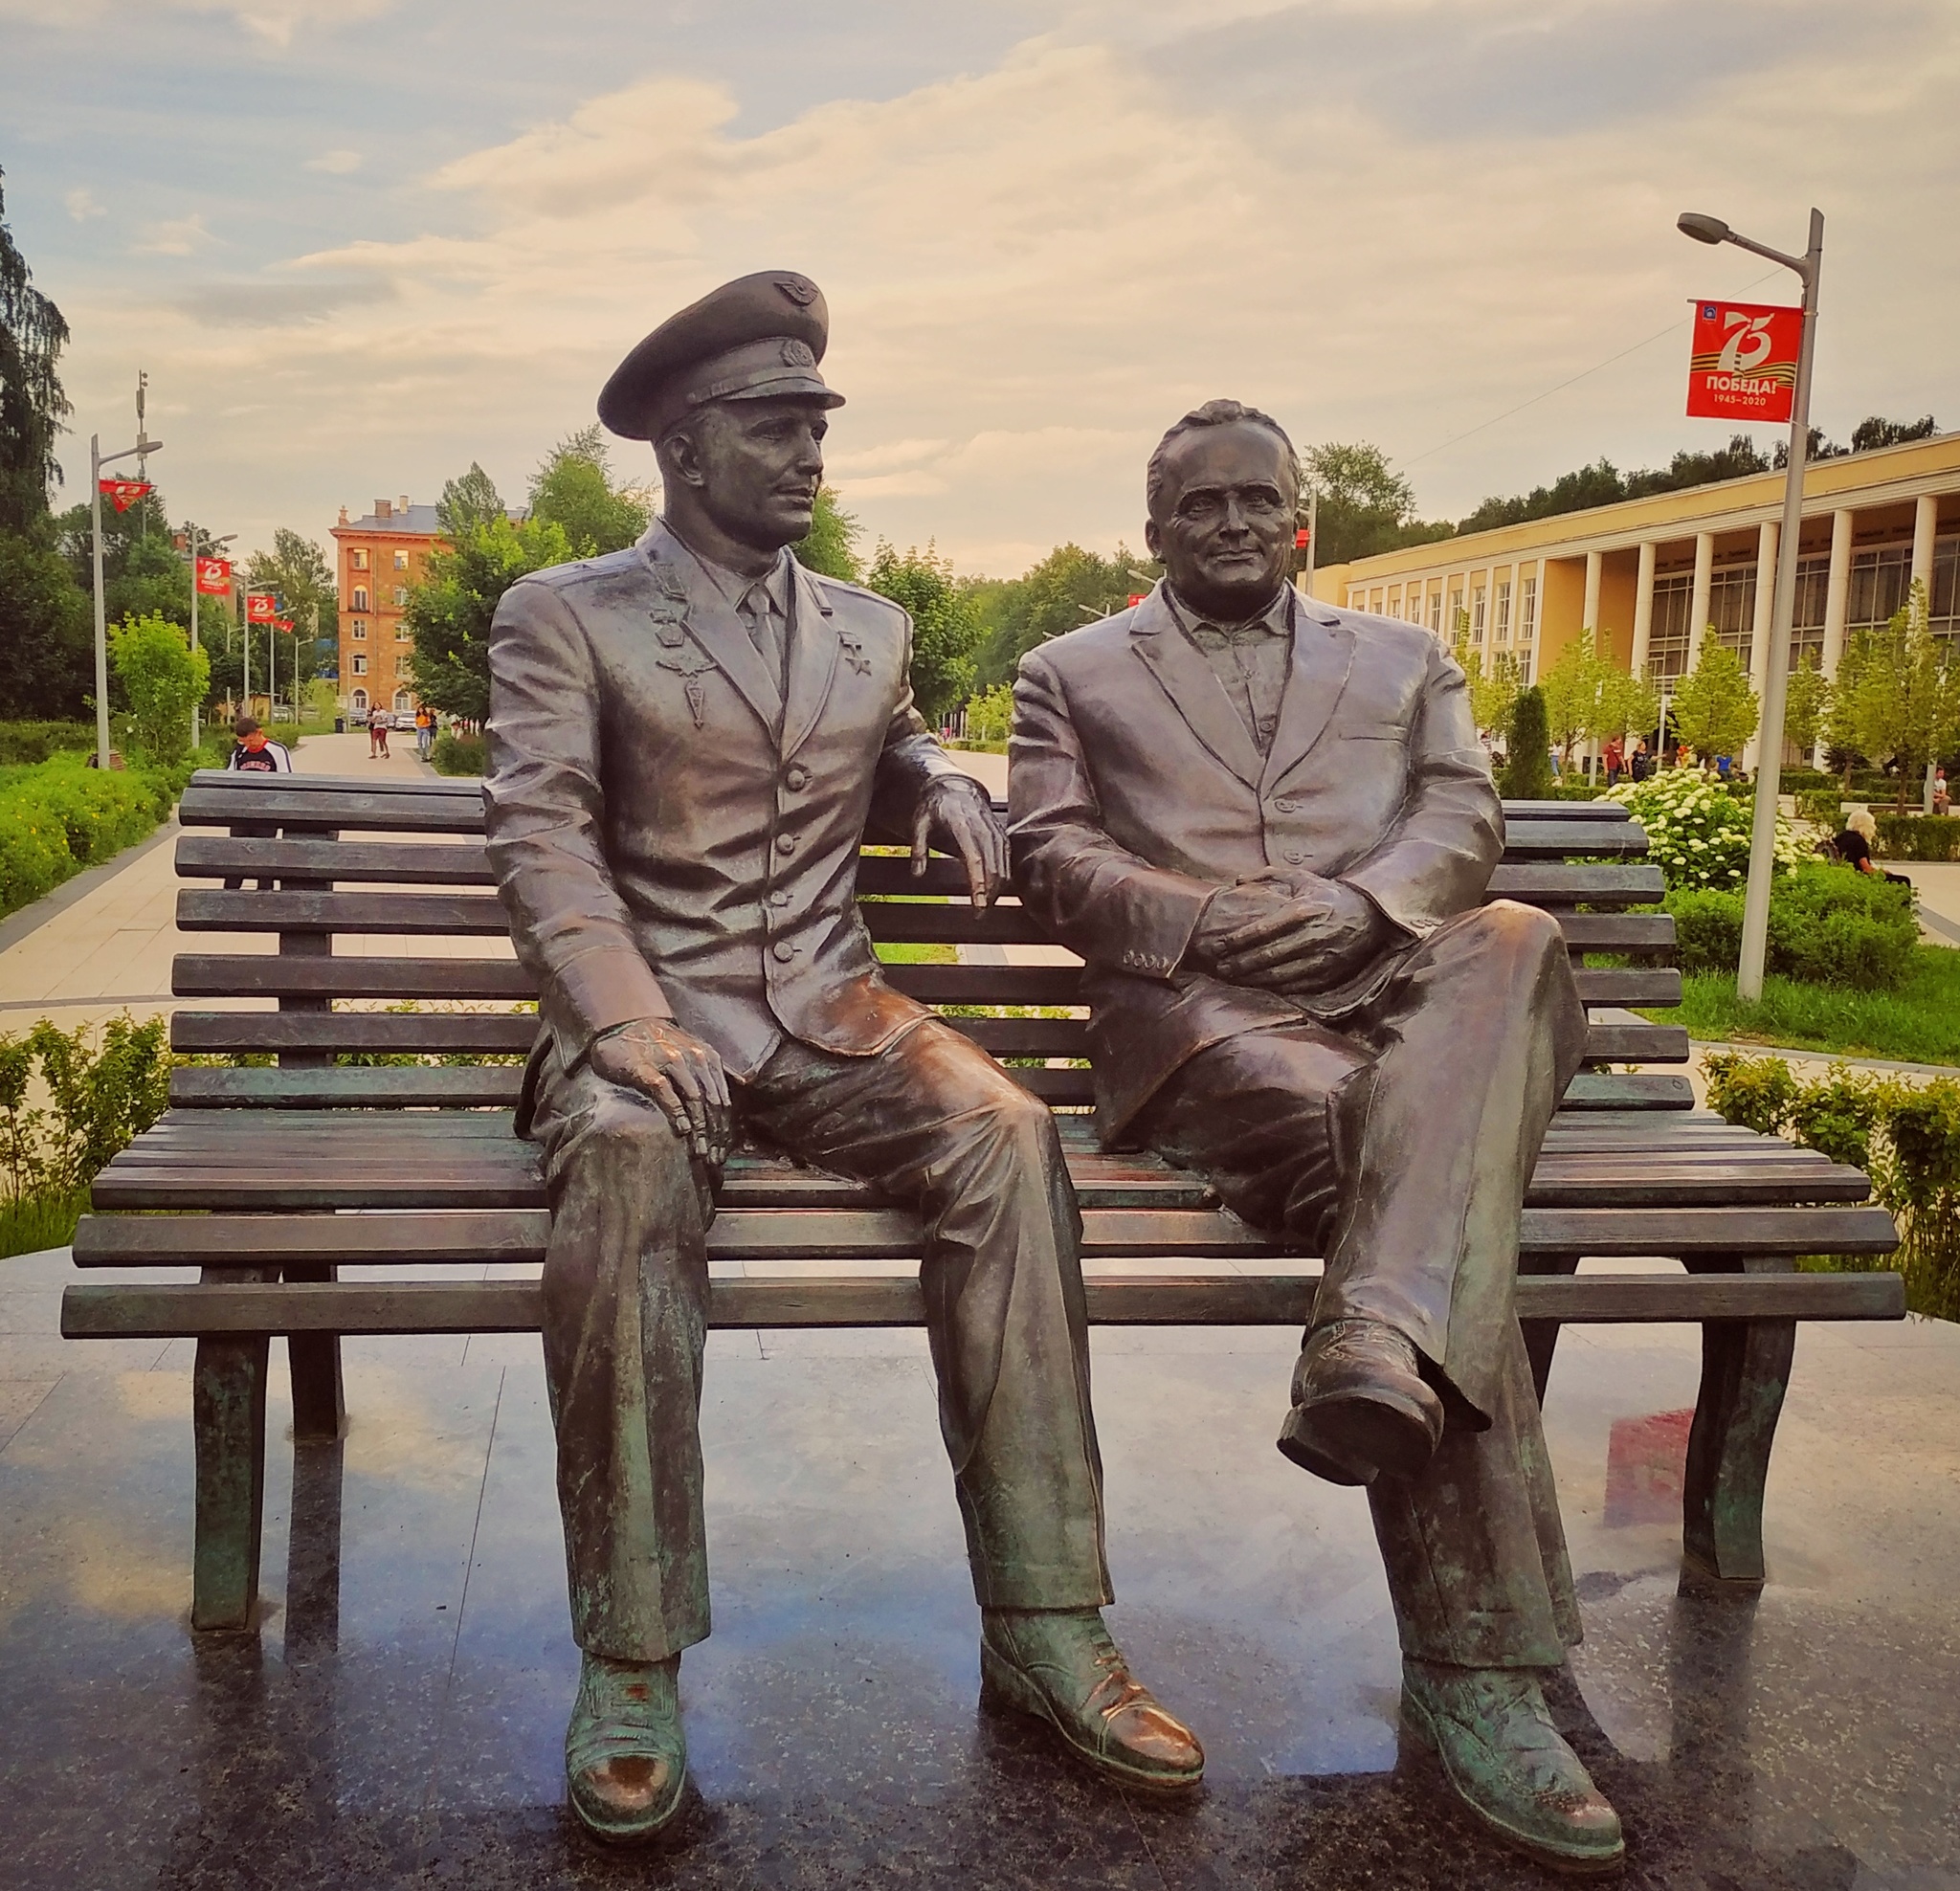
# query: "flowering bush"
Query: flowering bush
1698,834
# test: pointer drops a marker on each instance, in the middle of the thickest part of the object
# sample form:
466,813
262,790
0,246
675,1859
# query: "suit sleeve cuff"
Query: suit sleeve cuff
599,991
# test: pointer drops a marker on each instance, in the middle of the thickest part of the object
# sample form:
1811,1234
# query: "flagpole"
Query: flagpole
195,719
95,519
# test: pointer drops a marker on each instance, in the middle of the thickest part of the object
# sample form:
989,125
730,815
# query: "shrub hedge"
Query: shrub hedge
1919,837
30,743
1828,925
457,754
62,817
1905,1136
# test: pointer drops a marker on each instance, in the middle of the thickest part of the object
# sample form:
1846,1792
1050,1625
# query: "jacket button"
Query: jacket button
1295,856
780,897
785,950
797,779
1285,807
786,843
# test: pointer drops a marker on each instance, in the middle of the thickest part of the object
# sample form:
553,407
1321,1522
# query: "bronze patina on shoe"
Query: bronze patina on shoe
1510,1766
1361,1407
1062,1667
625,1756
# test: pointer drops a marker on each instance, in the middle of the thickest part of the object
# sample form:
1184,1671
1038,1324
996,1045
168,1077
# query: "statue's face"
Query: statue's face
1223,521
755,466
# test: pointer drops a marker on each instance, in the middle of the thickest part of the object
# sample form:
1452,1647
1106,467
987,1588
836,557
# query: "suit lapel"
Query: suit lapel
1321,654
814,651
710,619
1196,693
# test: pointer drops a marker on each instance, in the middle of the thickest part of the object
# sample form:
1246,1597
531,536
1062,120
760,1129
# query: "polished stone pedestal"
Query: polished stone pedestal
396,1719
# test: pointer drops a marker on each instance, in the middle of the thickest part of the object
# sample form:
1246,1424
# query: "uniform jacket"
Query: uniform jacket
672,836
1136,791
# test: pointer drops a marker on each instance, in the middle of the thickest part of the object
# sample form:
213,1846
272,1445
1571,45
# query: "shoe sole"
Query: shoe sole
1003,1686
624,1837
1365,1435
1572,1864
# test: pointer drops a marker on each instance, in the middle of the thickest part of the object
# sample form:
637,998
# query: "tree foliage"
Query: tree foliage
1363,506
1806,704
1068,589
469,500
46,630
1602,484
449,614
297,570
164,679
1714,710
831,544
1904,701
1493,690
32,407
574,487
1588,697
1527,773
945,626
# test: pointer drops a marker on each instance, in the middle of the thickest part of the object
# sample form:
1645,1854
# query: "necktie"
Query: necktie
759,614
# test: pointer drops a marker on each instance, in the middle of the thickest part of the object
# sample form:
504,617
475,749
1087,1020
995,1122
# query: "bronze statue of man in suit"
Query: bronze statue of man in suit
687,739
1267,826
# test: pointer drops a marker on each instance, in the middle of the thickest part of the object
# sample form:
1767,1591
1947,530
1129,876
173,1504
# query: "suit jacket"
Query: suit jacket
676,836
1136,791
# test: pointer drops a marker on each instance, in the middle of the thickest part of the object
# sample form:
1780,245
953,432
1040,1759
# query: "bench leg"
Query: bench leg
1541,1336
1744,1371
320,1404
228,1422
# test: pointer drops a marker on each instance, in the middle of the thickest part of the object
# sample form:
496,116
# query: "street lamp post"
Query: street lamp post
214,547
98,459
1756,911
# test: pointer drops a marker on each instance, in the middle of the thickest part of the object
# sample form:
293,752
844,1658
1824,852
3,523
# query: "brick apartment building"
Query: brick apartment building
378,558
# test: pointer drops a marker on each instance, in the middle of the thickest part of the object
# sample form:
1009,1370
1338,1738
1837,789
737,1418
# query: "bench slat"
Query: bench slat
513,1306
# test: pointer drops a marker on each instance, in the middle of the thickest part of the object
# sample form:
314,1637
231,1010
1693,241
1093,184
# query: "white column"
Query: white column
1838,589
1926,521
1766,603
1643,606
1589,615
1698,607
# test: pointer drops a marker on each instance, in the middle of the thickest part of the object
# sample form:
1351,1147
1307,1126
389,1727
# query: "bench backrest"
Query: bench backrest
379,895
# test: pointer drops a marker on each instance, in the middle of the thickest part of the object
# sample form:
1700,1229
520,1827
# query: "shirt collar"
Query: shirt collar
1277,618
734,586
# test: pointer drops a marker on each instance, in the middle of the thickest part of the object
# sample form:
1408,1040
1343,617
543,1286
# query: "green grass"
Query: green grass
895,952
1917,1023
40,1221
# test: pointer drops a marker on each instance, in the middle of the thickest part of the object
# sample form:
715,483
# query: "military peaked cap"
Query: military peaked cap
757,337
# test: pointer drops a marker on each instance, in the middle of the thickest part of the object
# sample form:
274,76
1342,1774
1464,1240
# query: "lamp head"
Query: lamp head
1703,229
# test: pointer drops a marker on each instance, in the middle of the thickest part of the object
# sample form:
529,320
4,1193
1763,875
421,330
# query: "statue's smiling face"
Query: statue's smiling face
1222,520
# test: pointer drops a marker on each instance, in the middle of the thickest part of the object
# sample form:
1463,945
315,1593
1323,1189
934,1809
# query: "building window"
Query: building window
1528,609
360,597
1668,639
359,698
403,700
1435,613
1456,624
1477,616
359,629
1880,579
401,595
360,664
1732,608
1413,608
401,561
1375,601
356,561
1503,611
1807,623
1945,592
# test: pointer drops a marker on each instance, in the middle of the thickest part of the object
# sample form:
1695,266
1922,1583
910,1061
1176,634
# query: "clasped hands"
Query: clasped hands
1291,933
683,1077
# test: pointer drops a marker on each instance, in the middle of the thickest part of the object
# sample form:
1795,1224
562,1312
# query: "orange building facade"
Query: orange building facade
378,558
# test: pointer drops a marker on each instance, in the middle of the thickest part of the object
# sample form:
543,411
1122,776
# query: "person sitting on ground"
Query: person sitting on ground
1853,847
252,754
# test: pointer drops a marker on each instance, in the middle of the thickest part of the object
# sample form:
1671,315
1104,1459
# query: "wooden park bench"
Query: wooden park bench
286,1177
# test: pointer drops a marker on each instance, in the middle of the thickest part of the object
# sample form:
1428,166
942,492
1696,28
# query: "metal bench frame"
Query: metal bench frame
267,1165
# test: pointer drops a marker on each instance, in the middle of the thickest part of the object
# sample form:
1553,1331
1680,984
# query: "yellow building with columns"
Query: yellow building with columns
1656,576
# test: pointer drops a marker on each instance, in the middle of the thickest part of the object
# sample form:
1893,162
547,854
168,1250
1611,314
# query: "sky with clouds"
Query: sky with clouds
358,243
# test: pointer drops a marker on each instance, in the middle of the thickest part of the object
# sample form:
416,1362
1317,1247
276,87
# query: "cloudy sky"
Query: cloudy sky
358,243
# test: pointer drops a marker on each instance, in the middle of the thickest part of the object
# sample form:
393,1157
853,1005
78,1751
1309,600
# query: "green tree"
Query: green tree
449,614
1068,589
32,404
1841,720
1715,710
164,678
1806,704
45,631
1364,507
945,627
831,544
1588,697
991,714
1905,708
574,488
1492,692
297,570
1627,704
470,499
1527,772
143,573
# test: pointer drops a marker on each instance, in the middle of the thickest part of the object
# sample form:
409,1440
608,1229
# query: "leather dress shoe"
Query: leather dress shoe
1361,1407
625,1756
1062,1667
1510,1766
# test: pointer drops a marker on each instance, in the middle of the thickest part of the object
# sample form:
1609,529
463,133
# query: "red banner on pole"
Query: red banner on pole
1303,536
214,576
260,607
1744,361
283,623
122,494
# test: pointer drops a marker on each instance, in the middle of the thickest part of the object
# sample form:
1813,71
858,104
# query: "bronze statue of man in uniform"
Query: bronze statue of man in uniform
1268,828
687,739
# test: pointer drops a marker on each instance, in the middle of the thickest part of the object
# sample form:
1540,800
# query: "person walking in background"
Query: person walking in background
1615,759
378,726
1642,763
425,731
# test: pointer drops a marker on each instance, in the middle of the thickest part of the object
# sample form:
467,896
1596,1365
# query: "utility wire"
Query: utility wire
1583,373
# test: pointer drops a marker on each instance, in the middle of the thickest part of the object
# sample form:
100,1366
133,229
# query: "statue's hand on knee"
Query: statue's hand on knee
677,1072
1326,933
